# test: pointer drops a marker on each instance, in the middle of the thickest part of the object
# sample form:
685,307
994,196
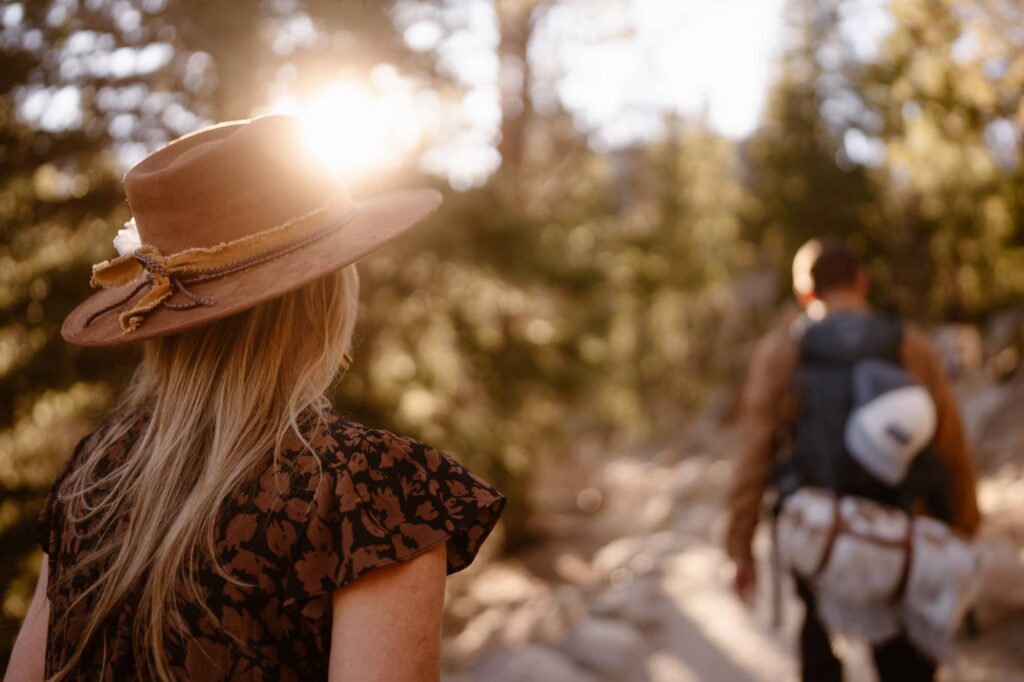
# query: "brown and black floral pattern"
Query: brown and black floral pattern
298,530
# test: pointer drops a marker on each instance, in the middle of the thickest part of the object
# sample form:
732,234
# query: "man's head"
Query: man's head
825,269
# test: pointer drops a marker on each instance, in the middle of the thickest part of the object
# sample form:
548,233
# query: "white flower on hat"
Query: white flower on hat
127,238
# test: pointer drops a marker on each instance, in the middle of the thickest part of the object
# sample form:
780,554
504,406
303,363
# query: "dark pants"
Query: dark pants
896,660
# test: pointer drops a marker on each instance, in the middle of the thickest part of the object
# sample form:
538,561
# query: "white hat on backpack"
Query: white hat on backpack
889,428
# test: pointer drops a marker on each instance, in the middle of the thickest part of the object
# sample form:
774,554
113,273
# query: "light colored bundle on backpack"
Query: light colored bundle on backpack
877,571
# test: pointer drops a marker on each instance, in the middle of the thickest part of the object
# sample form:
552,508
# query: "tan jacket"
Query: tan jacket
769,407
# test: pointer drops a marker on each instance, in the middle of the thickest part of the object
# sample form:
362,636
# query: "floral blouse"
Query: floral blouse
364,499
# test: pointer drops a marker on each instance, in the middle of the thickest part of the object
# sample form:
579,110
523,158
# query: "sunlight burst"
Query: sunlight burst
357,128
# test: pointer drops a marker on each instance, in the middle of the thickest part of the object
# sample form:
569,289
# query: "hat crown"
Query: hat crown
226,182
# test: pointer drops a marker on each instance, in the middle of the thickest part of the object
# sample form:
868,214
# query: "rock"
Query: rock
464,607
688,479
1002,591
666,543
604,645
575,570
571,604
617,554
533,620
637,603
961,349
637,555
530,663
700,519
505,585
478,634
545,619
666,666
657,511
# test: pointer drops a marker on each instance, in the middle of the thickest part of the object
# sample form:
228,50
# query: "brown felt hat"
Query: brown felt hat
229,217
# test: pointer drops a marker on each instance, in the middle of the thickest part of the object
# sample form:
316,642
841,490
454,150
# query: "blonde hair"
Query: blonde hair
219,399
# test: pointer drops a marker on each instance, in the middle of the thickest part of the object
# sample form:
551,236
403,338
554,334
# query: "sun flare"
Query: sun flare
357,128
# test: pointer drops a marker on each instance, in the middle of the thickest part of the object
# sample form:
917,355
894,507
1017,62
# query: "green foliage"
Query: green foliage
938,212
58,195
947,91
801,182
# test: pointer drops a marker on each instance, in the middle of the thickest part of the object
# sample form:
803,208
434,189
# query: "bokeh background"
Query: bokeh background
625,183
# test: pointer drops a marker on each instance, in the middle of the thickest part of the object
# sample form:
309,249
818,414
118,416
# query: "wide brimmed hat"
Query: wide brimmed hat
229,217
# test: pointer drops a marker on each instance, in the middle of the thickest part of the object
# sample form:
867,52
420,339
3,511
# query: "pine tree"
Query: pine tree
947,89
802,184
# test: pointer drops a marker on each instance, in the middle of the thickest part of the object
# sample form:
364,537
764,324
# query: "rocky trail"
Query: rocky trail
632,584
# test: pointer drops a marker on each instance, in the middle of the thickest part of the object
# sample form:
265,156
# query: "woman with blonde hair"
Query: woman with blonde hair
224,523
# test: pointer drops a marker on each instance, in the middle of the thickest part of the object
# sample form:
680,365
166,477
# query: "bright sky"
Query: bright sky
617,66
684,55
620,66
693,56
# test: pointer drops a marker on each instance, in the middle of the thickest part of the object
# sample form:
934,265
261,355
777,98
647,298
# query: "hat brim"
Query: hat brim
375,223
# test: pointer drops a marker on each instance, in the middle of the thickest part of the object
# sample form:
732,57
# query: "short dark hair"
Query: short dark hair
836,267
822,265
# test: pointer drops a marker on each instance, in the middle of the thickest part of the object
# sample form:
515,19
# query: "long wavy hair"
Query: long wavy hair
213,402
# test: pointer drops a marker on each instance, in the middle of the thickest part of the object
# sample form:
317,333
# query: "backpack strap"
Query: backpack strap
838,526
908,561
896,331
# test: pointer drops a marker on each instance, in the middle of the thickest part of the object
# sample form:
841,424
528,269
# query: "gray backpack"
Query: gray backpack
865,427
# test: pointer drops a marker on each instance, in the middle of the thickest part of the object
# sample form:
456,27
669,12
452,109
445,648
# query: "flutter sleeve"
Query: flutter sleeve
391,499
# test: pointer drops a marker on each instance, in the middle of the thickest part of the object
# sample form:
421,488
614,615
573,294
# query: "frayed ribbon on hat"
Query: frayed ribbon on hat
167,274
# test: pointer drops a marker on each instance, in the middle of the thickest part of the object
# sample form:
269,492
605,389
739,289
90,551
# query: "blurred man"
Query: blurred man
830,283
